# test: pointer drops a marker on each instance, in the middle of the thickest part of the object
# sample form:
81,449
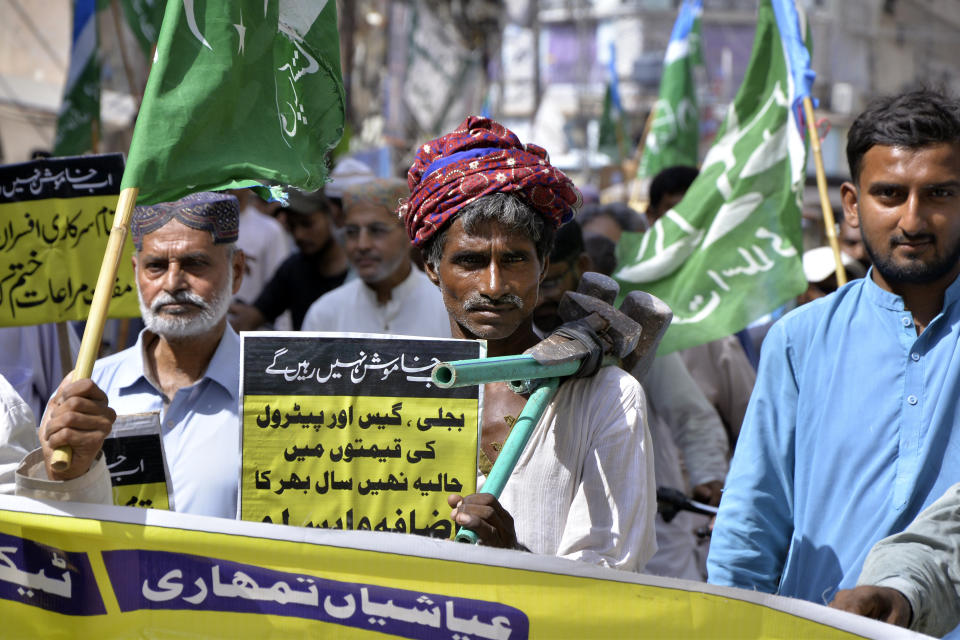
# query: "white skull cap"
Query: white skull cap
819,264
347,173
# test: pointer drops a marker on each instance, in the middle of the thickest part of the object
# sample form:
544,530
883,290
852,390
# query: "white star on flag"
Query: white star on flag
242,32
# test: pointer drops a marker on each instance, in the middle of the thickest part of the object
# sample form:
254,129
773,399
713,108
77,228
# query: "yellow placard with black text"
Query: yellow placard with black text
137,464
55,220
346,431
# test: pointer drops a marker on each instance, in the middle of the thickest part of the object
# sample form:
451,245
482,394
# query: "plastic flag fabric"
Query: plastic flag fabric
239,92
729,252
80,110
675,129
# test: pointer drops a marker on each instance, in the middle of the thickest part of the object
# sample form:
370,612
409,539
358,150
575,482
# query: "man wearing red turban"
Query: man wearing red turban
483,209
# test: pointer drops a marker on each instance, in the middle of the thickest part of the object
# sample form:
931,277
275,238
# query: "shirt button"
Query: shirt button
906,321
911,399
914,356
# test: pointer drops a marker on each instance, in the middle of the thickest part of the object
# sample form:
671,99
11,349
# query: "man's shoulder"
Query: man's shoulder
608,383
345,291
118,370
127,357
818,315
331,305
423,289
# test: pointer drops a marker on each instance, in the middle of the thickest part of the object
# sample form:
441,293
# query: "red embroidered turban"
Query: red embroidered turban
479,158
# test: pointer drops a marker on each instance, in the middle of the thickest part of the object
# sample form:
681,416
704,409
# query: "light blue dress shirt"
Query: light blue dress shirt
200,429
851,431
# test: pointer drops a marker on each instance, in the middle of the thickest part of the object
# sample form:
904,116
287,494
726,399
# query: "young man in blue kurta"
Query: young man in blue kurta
852,427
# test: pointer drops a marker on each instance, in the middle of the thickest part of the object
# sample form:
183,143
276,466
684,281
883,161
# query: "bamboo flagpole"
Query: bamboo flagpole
93,332
829,222
793,35
633,191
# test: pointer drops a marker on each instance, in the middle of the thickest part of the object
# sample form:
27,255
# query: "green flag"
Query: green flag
612,134
239,91
144,18
79,112
730,251
675,129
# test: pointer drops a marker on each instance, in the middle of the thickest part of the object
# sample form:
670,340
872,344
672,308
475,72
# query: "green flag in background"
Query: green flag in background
675,129
144,18
729,252
239,91
79,112
612,134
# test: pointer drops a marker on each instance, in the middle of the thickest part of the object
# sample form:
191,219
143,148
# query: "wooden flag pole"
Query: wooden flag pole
93,332
828,220
632,191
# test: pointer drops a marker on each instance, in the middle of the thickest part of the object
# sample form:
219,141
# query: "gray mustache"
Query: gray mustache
479,301
180,297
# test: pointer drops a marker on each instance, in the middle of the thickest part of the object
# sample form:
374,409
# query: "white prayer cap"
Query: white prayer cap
347,173
818,265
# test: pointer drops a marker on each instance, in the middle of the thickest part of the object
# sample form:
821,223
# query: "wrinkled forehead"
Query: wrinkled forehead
486,235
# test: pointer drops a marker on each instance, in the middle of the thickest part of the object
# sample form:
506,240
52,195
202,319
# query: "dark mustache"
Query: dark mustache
905,238
480,301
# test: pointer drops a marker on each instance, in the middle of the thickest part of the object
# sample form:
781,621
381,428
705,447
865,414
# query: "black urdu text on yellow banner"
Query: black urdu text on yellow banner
55,219
348,432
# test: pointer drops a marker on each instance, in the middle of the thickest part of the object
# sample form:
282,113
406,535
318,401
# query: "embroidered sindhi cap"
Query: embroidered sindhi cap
218,213
479,158
385,193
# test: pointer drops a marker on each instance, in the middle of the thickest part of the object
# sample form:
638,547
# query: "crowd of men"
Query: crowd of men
849,432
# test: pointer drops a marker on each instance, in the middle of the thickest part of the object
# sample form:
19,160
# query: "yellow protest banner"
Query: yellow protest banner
56,213
74,570
346,431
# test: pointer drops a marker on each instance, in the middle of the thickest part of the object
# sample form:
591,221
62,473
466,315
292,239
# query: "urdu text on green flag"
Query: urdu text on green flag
239,91
729,252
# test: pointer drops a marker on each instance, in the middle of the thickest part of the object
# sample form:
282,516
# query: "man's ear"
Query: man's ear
850,199
239,260
431,272
133,261
543,269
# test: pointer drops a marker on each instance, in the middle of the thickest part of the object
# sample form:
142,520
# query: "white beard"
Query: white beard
189,324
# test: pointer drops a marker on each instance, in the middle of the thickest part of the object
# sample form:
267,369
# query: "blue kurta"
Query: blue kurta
851,431
200,429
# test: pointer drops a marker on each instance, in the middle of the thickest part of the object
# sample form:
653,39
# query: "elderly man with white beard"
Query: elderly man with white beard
185,364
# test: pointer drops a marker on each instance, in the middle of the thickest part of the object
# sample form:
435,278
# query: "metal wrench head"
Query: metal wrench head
621,335
654,315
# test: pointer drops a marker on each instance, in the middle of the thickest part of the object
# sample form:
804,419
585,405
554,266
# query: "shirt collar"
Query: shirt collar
224,366
880,296
952,294
890,300
399,292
